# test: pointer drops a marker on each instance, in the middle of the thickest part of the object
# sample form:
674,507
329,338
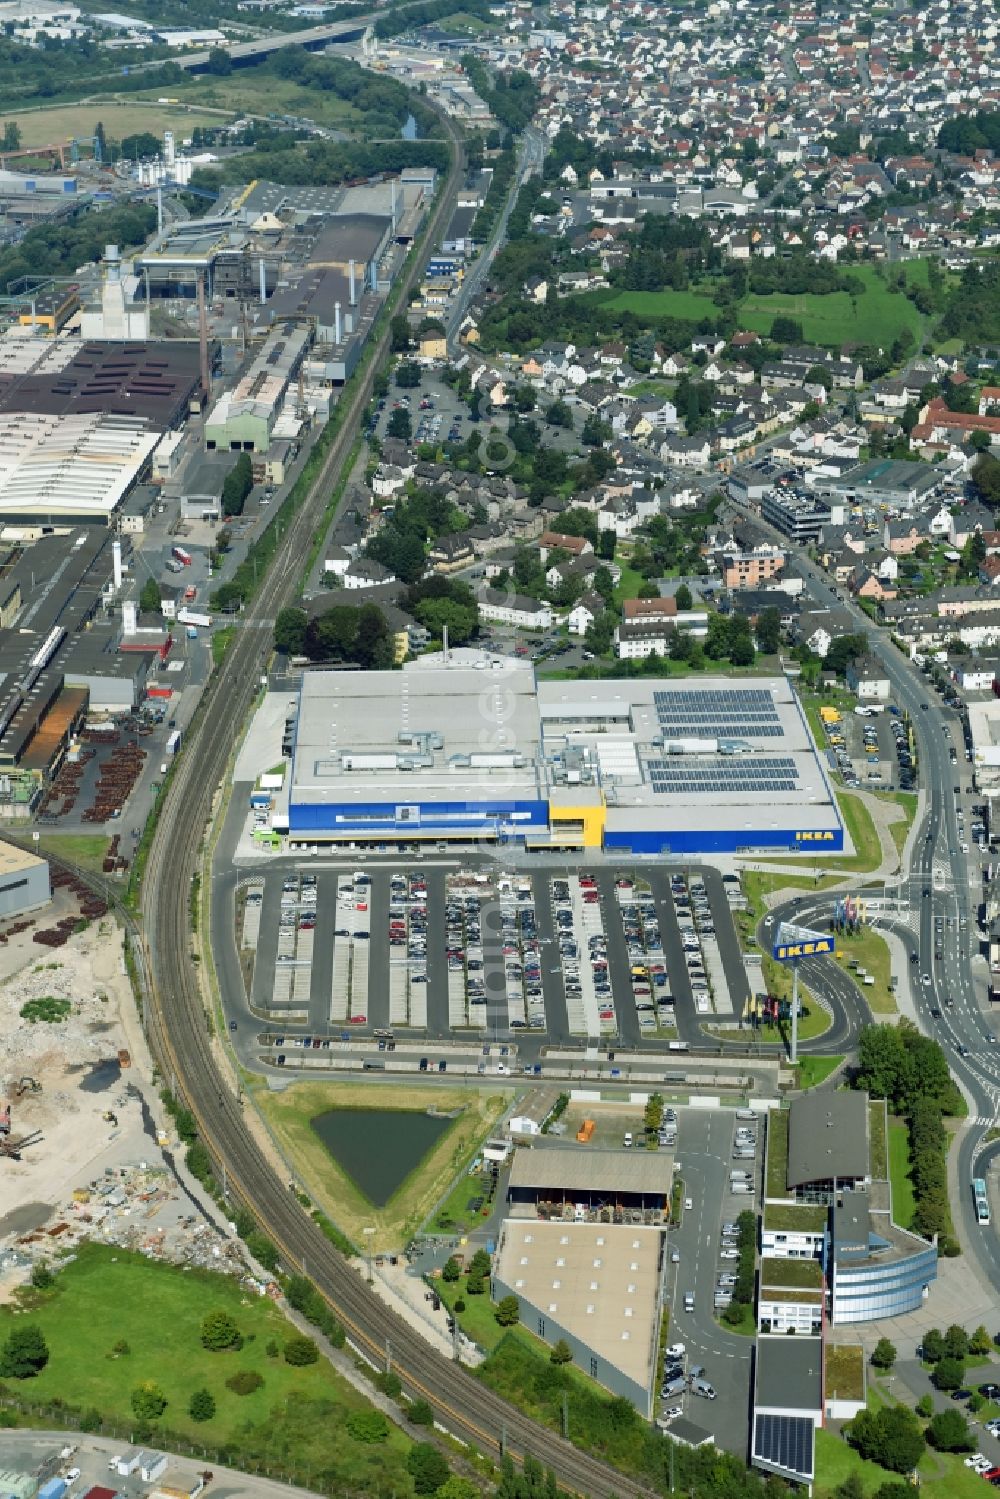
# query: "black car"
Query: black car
990,1391
962,1394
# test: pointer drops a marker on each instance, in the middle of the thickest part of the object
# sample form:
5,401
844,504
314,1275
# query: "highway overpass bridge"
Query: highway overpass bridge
315,37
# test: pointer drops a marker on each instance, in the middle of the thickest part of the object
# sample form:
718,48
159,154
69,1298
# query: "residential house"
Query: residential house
550,541
451,553
868,680
902,537
508,608
583,613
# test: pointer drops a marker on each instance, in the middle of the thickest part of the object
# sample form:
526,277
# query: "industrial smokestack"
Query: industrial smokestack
116,564
350,272
206,379
112,263
168,150
338,324
130,610
263,282
393,201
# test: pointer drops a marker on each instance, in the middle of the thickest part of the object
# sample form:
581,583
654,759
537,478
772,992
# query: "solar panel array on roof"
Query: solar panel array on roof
785,1442
718,714
763,773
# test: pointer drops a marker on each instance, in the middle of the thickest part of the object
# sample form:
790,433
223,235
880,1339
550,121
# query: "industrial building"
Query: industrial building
465,745
596,1288
828,1198
24,881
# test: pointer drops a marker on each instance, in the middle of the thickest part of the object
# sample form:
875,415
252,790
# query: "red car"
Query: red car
358,1020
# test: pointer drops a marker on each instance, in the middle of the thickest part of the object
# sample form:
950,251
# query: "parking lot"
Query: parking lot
616,956
706,1368
872,751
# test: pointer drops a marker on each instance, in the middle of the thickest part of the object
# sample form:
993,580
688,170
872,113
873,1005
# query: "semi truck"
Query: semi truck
183,557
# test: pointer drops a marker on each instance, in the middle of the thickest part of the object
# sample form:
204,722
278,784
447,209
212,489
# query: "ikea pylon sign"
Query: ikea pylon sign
786,952
792,942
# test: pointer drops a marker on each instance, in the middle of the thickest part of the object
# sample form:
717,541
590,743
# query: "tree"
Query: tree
508,1311
851,1488
769,631
219,62
684,598
949,1432
474,1285
956,1342
300,1351
149,597
786,330
890,1437
451,1270
421,1413
11,136
932,1344
400,425
290,630
148,1401
24,1354
986,479
457,1487
925,1407
980,1343
237,485
219,1331
399,333
559,415
408,375
560,1353
201,1406
948,1374
41,1277
741,652
100,141
883,1354
427,1467
367,1426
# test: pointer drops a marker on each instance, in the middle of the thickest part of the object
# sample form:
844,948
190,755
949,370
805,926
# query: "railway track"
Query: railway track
180,1034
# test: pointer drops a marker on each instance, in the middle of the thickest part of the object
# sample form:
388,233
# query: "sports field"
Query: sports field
875,317
290,1113
49,127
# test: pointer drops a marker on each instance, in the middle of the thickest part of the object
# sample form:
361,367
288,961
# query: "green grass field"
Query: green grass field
833,318
872,953
85,849
108,1294
814,1070
653,304
942,1475
49,127
259,92
903,1201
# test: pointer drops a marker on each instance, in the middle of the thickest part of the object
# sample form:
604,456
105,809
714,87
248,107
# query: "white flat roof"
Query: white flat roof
80,464
598,1281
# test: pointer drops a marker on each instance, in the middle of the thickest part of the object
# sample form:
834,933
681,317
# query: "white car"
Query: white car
671,1412
729,1254
676,1350
688,1203
72,1474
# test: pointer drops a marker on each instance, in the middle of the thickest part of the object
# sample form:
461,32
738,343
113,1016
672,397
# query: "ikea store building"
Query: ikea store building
469,746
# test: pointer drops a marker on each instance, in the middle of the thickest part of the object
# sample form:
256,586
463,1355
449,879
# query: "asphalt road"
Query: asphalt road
941,881
704,1146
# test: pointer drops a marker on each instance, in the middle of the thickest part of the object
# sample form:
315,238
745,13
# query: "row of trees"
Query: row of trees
237,486
326,162
910,1071
743,1291
341,633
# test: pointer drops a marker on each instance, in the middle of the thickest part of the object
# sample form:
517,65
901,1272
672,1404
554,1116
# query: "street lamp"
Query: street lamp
369,1233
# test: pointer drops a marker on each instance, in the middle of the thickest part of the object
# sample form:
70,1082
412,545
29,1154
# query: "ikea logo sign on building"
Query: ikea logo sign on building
818,837
785,951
